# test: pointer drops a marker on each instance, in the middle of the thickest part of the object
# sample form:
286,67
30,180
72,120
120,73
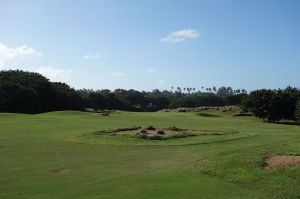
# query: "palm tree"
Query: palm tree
214,89
178,89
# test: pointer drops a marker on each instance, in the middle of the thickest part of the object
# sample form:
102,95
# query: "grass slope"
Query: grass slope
225,166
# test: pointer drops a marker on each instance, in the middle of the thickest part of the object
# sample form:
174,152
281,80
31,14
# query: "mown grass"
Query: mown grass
101,166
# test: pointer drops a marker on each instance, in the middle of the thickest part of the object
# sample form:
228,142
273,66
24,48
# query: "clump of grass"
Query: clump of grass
181,135
151,128
157,137
160,132
142,131
174,128
142,135
162,137
120,129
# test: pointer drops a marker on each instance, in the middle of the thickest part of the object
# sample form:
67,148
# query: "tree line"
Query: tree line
28,92
274,105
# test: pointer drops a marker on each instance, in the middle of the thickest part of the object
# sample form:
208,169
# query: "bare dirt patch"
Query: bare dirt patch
60,171
153,133
282,161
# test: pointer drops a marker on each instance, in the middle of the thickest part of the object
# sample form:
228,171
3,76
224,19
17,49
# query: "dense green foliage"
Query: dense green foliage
297,112
272,105
57,155
27,92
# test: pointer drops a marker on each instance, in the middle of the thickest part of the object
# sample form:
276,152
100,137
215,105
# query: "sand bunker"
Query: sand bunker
282,161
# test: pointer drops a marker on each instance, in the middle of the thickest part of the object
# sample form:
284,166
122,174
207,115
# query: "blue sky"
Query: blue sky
154,44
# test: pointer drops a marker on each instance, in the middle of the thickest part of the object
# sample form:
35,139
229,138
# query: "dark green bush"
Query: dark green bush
150,128
142,131
157,137
297,112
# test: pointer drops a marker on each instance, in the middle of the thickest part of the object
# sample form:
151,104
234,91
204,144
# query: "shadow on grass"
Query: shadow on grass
289,123
208,115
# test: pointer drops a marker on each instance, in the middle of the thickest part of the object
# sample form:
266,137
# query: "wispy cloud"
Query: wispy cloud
54,74
160,82
181,35
152,70
118,74
95,55
9,53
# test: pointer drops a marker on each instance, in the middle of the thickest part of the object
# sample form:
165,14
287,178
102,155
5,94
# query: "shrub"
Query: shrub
160,132
157,137
272,105
174,128
181,135
142,131
297,113
150,128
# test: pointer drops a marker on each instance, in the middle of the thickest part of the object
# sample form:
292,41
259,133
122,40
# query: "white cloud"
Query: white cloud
181,35
161,82
54,74
152,70
8,53
118,74
95,55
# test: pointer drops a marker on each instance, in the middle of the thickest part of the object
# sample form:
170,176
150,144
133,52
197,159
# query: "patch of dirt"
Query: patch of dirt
282,161
149,132
168,132
60,171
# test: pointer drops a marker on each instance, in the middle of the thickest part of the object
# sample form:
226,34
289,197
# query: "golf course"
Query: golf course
70,154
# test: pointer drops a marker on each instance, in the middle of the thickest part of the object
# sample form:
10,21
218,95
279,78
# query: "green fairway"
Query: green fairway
58,155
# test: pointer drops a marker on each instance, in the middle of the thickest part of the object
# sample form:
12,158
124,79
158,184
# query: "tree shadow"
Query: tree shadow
289,123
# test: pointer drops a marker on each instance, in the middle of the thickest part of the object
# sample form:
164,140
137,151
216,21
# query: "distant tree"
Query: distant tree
234,99
224,91
214,89
259,102
272,105
297,112
244,91
27,92
24,92
65,98
196,100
